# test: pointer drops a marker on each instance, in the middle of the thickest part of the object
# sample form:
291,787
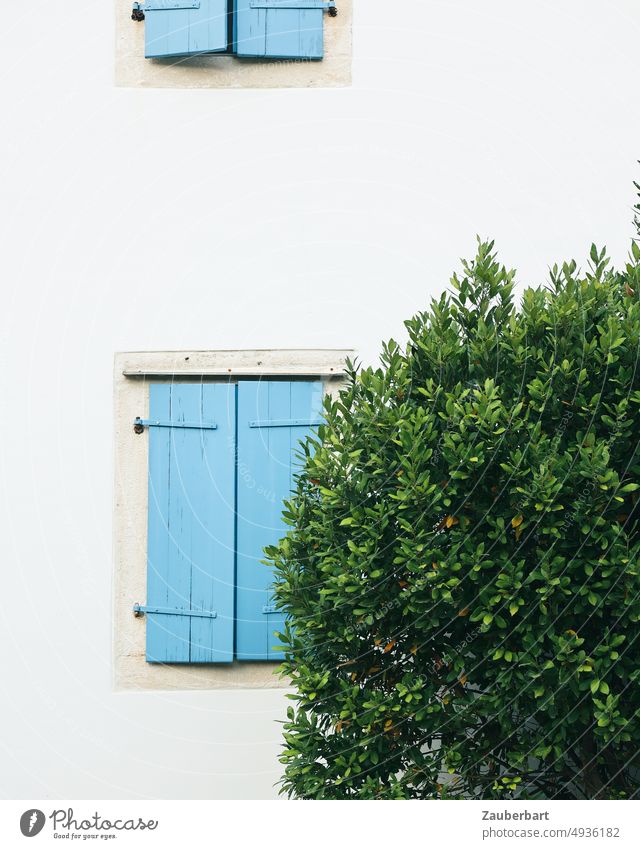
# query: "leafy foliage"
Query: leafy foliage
462,570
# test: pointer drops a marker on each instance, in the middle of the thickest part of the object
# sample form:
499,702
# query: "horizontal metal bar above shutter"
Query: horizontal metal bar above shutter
291,4
139,610
286,423
169,5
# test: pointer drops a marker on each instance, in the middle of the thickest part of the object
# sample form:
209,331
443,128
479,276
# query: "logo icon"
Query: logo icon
32,822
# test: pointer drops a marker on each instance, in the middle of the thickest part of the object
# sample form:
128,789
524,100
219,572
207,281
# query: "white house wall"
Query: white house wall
145,219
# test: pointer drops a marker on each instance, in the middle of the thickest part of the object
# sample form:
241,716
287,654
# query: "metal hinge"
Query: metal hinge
295,4
140,424
140,610
286,423
269,608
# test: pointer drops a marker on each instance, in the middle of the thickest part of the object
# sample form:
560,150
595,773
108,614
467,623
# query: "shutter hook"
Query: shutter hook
333,12
138,426
137,13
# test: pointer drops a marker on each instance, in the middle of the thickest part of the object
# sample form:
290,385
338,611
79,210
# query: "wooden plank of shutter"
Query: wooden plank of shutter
266,465
278,33
191,524
186,31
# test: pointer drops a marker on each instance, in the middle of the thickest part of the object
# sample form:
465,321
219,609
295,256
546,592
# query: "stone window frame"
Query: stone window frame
224,71
133,372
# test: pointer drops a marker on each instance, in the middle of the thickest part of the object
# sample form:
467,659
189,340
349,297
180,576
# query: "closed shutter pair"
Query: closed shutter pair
277,29
221,461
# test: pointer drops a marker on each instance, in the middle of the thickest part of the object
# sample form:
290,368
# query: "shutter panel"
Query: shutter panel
294,31
273,416
190,566
184,27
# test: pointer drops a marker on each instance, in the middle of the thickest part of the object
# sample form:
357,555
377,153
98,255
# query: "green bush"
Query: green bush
461,573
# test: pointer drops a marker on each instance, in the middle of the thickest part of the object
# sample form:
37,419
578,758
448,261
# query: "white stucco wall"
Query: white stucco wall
162,219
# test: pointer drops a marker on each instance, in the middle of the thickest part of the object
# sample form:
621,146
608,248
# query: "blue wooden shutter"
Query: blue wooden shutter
283,29
273,416
184,27
190,555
